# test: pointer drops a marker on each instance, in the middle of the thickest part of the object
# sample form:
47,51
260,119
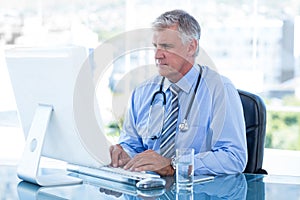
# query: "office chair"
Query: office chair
255,119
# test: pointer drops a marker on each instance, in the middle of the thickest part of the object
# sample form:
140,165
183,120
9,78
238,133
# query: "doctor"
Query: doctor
209,112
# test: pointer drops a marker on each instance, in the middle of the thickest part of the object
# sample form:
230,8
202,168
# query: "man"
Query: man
206,101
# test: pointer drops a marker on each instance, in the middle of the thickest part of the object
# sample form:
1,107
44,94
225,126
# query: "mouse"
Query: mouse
151,183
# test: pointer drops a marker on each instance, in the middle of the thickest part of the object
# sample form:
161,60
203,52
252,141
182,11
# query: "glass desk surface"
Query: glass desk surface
240,186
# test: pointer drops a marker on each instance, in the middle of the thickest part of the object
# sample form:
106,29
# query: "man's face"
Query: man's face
173,58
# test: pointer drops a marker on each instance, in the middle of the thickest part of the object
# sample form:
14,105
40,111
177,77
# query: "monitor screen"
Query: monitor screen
49,76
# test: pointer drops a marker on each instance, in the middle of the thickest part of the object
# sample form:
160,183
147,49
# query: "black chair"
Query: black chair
255,119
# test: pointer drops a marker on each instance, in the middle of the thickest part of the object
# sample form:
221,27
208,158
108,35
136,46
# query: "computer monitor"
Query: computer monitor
44,81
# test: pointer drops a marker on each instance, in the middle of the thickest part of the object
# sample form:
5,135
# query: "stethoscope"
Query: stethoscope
183,126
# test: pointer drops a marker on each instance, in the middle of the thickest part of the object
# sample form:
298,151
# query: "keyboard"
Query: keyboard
111,173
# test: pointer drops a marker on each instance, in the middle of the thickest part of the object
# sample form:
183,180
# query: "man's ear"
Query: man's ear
192,48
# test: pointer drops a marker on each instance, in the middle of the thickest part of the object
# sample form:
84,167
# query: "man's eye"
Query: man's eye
163,46
166,46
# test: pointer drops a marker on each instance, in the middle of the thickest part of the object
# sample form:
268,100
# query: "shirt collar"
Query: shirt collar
186,82
167,84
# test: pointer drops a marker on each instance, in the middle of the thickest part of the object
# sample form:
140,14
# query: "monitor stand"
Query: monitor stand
28,169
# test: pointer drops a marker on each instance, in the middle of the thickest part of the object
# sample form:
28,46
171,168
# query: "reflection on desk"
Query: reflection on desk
240,186
222,187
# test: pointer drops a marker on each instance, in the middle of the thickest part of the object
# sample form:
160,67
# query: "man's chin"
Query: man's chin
162,71
163,68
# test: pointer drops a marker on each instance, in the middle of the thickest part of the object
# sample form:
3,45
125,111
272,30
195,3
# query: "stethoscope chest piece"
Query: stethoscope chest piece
183,126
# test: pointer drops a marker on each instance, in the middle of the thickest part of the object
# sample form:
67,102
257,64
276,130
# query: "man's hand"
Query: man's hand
119,157
151,161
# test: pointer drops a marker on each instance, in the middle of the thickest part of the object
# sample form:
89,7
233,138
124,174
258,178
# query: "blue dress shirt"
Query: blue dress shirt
216,122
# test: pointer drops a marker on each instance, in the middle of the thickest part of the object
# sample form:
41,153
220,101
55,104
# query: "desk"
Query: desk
242,186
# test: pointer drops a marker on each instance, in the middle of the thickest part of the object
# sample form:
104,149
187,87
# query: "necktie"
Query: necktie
167,146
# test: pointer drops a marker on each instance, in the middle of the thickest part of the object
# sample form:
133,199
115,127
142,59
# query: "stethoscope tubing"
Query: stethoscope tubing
193,95
160,91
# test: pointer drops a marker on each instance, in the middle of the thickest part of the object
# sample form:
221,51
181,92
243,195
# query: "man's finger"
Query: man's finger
115,154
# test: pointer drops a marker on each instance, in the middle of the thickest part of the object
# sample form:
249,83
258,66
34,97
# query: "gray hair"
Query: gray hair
187,25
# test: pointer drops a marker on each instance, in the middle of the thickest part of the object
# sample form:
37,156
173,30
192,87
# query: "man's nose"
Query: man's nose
159,53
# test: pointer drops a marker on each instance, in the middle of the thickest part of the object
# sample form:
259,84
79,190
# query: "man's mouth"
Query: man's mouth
159,63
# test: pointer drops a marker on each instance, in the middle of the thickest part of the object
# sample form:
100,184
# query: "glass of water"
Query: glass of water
184,168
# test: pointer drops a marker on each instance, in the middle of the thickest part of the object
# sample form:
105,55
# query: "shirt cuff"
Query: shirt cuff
128,150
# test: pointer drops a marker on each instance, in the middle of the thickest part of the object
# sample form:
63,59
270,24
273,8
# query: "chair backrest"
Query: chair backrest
255,119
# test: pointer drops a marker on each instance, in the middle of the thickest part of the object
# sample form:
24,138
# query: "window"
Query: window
253,42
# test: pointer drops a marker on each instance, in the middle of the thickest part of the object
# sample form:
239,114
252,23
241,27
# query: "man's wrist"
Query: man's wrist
167,170
172,167
170,170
